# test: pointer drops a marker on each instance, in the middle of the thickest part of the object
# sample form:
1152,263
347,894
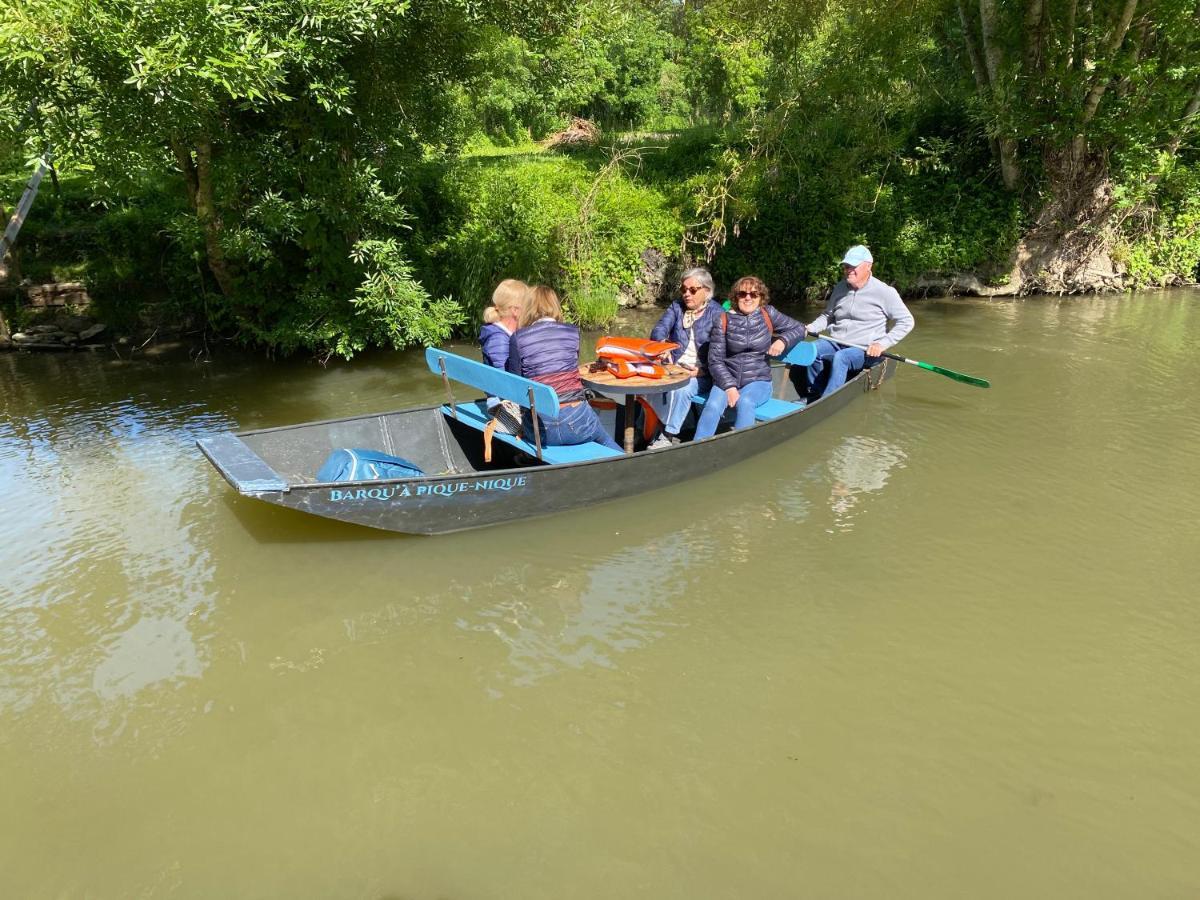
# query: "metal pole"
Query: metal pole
537,430
18,217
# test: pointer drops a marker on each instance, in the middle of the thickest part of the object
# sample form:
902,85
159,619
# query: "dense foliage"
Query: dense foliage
334,174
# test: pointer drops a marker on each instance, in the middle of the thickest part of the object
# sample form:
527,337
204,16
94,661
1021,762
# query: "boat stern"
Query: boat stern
244,469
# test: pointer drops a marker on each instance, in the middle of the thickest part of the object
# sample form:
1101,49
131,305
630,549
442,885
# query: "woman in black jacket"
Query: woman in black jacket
738,351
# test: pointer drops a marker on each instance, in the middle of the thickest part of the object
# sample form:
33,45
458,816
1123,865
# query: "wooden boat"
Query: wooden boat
461,491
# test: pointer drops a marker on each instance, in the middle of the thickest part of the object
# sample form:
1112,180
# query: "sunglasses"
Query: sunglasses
692,290
742,295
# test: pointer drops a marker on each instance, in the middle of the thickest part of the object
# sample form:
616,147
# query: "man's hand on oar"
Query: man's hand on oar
949,373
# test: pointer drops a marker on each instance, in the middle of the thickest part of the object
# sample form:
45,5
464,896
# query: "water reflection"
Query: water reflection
859,466
103,548
569,619
561,605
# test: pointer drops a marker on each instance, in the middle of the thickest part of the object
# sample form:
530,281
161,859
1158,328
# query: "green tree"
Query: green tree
291,128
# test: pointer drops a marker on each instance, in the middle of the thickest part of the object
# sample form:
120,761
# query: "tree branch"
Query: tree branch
1070,34
1189,112
1103,79
1034,13
977,67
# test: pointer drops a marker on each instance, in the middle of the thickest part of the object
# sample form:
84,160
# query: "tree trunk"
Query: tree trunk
10,263
1069,31
1035,11
1189,113
993,67
197,177
982,85
1010,166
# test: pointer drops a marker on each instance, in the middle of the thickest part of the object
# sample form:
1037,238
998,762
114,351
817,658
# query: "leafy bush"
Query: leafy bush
593,308
542,218
1164,243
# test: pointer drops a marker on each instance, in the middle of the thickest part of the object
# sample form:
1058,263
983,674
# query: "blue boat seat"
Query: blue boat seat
507,386
764,412
773,409
477,417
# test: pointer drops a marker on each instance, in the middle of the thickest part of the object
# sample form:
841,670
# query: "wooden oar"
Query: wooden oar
949,373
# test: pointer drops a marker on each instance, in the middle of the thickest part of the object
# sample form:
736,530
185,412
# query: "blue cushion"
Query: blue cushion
772,409
471,414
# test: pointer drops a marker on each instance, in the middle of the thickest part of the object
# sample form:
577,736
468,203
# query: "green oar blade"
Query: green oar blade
957,376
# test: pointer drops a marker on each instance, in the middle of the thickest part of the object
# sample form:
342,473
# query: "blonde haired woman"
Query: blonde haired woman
546,349
500,320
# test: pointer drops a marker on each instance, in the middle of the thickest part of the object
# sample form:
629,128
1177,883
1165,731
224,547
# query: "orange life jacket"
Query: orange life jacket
641,349
626,357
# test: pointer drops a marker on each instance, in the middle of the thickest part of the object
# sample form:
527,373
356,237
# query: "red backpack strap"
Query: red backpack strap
724,322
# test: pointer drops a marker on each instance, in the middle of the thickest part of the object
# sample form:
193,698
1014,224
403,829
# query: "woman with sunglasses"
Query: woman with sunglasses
738,352
688,322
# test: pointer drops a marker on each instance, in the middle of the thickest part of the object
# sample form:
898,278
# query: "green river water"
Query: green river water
944,645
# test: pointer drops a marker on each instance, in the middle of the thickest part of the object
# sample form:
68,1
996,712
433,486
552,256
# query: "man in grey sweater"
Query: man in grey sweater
858,312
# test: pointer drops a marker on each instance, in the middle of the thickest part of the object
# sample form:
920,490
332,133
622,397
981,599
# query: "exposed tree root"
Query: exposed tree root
1069,249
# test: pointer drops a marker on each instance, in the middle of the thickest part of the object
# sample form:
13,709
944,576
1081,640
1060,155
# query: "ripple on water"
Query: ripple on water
103,571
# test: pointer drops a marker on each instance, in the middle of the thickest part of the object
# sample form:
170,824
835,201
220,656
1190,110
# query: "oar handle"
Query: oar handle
864,347
929,367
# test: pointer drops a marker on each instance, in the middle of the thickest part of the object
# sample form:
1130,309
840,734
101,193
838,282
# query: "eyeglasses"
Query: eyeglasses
742,295
692,290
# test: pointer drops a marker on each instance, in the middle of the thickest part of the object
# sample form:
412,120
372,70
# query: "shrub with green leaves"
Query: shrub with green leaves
541,218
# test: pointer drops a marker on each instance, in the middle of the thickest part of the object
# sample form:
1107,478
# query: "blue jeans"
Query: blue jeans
679,402
830,370
754,394
576,424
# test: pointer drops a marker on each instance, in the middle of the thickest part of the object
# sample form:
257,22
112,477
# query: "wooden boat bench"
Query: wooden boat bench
529,394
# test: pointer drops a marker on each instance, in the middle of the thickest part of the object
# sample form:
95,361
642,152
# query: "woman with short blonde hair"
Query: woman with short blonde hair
541,303
507,300
501,320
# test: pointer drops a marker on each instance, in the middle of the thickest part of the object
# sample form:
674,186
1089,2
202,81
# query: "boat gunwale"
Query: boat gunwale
497,473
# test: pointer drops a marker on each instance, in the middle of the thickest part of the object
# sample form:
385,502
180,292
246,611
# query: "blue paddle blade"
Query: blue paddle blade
802,354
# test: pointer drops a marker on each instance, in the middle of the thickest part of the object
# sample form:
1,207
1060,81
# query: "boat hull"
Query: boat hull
470,495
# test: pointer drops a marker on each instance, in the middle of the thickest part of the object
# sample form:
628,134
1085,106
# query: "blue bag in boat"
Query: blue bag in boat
365,465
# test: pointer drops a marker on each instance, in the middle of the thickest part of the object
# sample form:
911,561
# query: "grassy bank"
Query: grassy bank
603,224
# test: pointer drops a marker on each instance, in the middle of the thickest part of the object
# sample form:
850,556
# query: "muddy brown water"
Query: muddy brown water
942,645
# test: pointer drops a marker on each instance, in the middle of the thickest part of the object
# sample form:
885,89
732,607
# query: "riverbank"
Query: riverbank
610,223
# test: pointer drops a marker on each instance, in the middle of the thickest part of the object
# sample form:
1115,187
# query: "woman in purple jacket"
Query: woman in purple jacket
738,348
500,321
546,349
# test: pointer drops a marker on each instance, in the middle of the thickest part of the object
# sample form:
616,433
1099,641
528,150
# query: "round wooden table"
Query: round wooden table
637,386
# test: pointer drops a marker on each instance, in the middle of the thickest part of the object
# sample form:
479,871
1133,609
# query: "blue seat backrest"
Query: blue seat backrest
492,381
802,354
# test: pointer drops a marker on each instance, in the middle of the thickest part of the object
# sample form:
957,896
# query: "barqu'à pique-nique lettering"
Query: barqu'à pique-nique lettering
425,490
